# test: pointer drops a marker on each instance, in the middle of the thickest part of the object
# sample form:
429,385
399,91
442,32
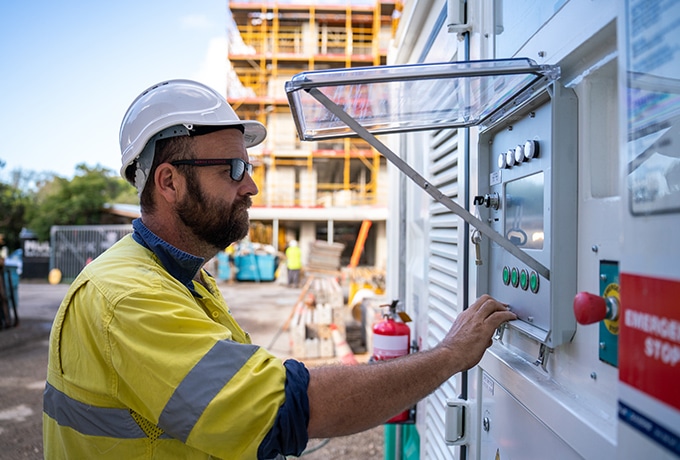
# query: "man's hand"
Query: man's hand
473,330
347,399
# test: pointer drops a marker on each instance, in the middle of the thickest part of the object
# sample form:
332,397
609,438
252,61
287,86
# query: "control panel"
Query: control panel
528,194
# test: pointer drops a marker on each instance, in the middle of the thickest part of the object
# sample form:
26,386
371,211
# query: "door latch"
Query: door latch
457,422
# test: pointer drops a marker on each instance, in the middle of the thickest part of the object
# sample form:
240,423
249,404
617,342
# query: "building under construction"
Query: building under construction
320,190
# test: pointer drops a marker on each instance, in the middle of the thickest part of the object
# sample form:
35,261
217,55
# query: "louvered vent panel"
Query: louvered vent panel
443,281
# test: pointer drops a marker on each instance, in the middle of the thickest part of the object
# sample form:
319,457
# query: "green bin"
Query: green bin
410,442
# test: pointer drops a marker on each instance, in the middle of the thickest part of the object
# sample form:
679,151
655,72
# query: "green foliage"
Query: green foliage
79,201
39,200
14,206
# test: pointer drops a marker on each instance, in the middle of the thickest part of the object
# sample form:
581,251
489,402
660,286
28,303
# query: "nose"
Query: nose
249,184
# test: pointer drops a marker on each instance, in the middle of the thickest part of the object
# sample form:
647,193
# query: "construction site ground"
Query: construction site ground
261,308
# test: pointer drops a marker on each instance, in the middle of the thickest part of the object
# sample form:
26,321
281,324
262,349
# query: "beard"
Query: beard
211,220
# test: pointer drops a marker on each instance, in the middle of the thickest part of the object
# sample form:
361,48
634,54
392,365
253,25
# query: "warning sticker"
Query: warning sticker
649,339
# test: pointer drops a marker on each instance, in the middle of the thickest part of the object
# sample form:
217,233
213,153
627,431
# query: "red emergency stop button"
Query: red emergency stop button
590,308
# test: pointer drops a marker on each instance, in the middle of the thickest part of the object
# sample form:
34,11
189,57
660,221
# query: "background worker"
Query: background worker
231,254
293,263
145,359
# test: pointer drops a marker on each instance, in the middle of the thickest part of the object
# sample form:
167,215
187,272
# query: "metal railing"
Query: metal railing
74,246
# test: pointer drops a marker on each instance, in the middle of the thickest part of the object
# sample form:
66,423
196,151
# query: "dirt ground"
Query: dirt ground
261,308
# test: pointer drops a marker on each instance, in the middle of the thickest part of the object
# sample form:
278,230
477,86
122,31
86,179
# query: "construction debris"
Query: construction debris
324,258
321,309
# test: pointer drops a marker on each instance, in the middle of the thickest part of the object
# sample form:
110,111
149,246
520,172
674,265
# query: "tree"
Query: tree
14,205
79,201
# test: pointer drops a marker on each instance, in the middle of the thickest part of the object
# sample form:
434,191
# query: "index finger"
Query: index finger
497,311
489,305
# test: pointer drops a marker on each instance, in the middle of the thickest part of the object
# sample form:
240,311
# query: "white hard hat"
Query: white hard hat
175,108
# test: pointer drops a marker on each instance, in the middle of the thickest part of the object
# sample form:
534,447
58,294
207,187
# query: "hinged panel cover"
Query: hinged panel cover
412,97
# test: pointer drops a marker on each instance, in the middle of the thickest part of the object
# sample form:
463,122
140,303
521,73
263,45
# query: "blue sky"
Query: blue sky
69,69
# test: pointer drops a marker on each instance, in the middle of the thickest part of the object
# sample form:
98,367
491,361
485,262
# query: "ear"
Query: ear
169,182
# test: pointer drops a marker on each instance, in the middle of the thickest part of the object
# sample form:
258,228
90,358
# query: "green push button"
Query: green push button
514,277
524,279
533,282
506,275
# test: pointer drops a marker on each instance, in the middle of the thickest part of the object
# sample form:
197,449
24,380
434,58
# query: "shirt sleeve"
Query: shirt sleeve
288,435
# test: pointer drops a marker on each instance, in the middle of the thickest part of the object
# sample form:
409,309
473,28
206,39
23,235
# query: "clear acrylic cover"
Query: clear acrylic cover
411,97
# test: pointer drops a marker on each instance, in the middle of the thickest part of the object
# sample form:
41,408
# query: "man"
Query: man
293,263
145,359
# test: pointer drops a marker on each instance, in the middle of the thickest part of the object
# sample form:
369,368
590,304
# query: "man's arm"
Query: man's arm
348,399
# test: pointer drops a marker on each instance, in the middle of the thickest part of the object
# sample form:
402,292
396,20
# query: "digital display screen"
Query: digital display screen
524,216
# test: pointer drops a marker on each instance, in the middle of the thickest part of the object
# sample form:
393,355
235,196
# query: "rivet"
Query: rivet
486,424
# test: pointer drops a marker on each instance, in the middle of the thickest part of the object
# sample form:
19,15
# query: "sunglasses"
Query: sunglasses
238,166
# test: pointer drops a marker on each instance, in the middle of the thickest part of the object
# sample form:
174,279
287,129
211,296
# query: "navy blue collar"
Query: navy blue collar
181,265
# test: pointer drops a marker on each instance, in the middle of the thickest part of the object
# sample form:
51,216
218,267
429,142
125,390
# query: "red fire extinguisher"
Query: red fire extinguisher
392,339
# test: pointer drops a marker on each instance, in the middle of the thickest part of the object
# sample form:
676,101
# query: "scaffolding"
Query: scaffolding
269,42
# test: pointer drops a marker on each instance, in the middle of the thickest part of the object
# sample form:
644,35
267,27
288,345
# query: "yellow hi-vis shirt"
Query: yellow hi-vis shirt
139,368
293,258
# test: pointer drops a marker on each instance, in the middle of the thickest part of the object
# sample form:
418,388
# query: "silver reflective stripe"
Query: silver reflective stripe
90,420
201,385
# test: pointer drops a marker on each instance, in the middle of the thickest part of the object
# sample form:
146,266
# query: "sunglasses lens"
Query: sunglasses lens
238,167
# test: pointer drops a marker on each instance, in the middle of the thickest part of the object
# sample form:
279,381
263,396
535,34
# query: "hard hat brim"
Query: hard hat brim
254,132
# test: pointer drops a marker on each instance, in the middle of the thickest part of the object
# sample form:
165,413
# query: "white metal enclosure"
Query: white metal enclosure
563,202
569,406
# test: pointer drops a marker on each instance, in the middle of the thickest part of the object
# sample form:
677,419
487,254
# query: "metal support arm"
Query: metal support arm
428,187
